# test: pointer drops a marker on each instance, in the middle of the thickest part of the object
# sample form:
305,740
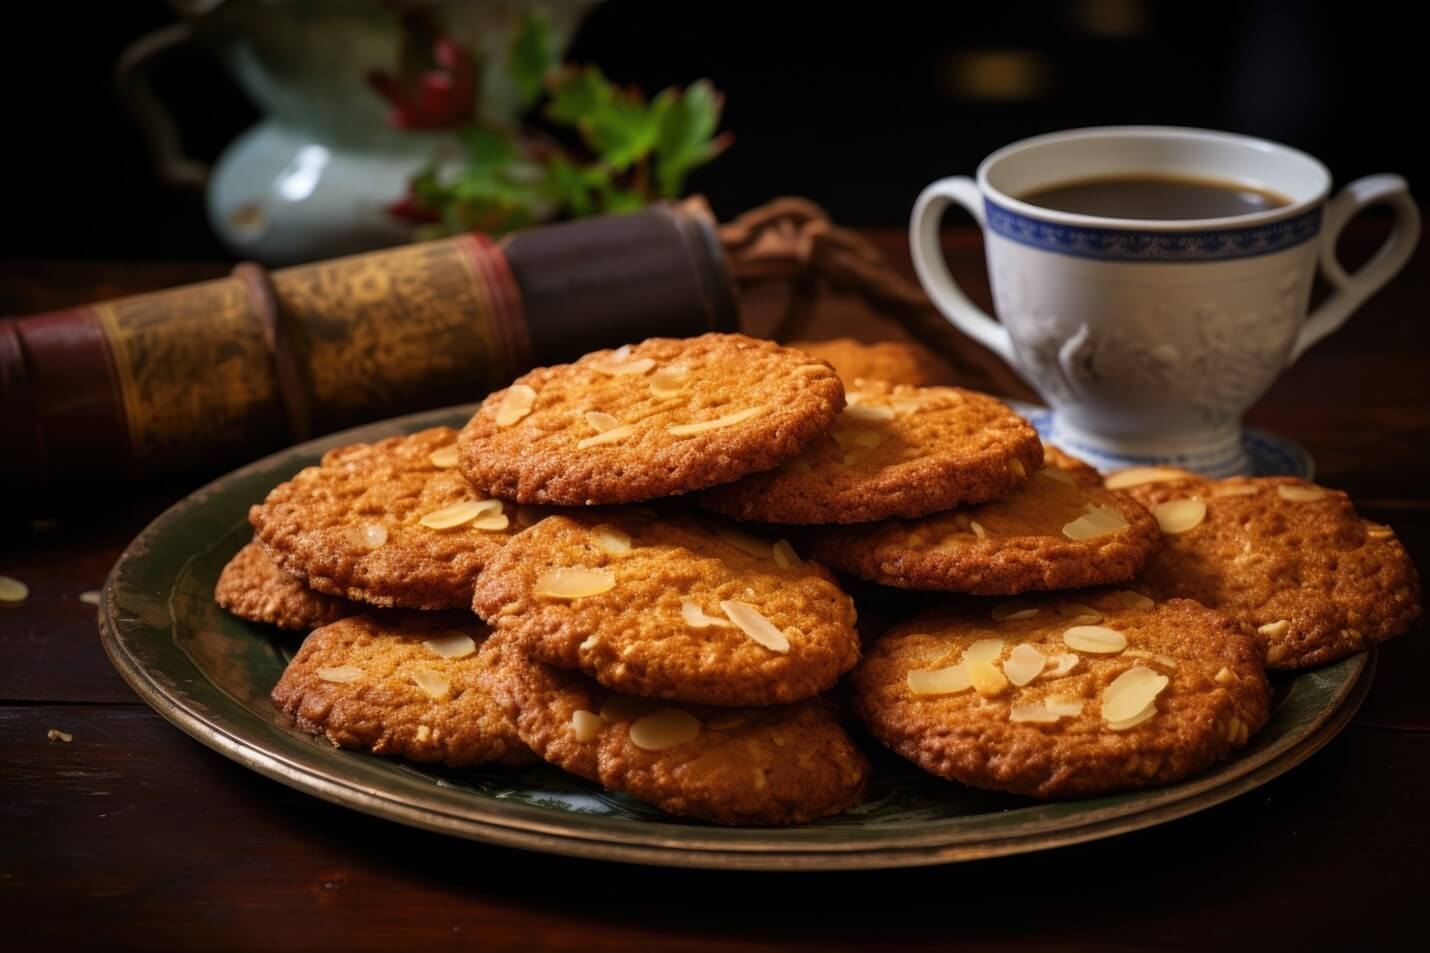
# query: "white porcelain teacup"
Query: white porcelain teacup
1151,338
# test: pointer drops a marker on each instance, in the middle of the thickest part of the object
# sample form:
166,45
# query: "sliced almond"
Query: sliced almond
745,542
1163,660
1135,600
55,734
452,645
987,680
1024,664
1129,693
1096,639
13,591
668,382
626,708
1060,664
1059,476
1179,516
1378,530
459,513
587,725
1008,611
433,684
1018,469
813,370
1299,494
664,729
729,420
340,674
90,596
755,625
1034,713
574,582
983,650
614,435
1080,613
1136,476
696,618
367,535
785,556
1224,676
907,405
869,412
640,365
515,405
978,529
1135,720
1097,520
939,681
445,459
600,421
1275,630
612,540
491,523
1062,705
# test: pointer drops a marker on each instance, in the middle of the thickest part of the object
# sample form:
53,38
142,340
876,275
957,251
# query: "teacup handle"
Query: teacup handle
1351,290
933,272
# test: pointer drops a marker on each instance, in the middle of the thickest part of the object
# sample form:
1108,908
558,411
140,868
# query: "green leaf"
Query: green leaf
487,147
686,137
617,125
531,56
619,201
573,187
578,93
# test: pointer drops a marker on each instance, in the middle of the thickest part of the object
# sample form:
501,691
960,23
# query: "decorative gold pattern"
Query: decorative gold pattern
195,373
396,330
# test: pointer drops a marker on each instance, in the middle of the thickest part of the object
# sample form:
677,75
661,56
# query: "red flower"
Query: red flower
443,96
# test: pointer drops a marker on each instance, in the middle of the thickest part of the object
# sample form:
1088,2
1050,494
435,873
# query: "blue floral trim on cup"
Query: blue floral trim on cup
1116,244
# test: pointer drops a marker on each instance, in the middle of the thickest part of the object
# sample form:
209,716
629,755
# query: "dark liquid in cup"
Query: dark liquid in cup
1156,197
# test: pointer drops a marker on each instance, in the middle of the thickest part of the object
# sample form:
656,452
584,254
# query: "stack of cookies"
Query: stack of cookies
630,630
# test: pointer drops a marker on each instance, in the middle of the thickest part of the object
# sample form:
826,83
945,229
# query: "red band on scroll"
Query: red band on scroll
76,415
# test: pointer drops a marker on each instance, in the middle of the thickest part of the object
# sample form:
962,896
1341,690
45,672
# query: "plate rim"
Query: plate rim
723,848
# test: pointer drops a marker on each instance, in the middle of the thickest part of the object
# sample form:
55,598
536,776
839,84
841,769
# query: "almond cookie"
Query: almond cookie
894,362
895,451
659,418
1053,532
408,685
1292,562
668,608
1058,698
391,523
784,764
253,588
1059,459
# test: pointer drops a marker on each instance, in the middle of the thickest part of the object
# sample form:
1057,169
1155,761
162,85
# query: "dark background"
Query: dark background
856,105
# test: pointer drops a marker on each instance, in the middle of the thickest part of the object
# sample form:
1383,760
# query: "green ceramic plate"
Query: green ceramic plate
210,674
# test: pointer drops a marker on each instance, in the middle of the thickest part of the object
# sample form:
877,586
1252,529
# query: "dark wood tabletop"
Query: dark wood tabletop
133,836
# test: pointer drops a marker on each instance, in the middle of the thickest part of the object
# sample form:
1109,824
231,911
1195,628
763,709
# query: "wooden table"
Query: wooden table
134,836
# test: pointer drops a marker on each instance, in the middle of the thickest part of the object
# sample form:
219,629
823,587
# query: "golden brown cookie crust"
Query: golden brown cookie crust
769,402
785,764
1310,578
368,682
894,362
253,588
634,637
897,451
1016,544
1059,459
1216,697
319,525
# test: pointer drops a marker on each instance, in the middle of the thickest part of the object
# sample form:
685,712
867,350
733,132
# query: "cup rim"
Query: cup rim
1078,219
